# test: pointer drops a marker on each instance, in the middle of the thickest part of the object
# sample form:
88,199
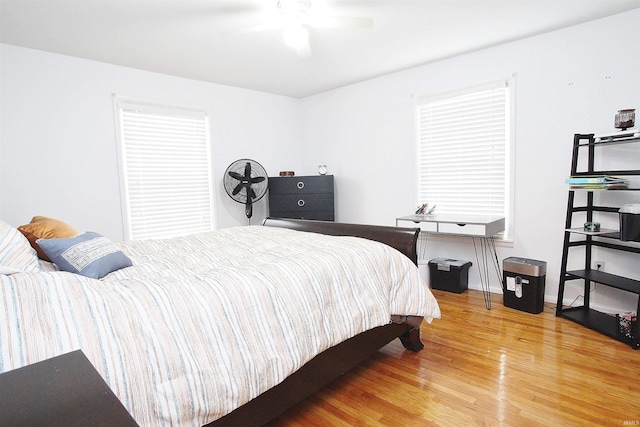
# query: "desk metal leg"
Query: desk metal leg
486,255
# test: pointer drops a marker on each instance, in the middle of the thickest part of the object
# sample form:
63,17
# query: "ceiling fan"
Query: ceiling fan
296,17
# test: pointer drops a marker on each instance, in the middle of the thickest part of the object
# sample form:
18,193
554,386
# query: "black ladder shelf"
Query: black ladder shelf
585,315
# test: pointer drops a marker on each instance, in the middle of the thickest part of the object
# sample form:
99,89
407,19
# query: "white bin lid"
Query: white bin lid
448,262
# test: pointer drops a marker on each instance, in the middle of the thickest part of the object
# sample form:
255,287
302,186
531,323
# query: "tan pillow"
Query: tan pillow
42,227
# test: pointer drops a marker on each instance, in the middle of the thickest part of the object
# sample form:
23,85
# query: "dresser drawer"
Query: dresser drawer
301,184
300,203
317,215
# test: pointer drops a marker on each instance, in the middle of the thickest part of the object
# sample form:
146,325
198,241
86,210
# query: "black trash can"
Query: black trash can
630,223
449,274
523,284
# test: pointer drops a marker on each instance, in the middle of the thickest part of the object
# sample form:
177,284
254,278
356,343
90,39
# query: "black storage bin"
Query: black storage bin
523,284
449,274
630,223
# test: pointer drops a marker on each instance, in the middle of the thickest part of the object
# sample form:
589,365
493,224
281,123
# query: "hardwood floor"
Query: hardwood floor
499,367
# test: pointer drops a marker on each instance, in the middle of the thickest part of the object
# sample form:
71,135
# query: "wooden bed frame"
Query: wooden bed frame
335,361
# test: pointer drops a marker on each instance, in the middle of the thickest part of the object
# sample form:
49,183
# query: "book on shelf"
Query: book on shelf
596,182
597,186
594,179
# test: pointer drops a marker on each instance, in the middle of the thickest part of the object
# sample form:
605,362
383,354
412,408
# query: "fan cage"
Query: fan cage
257,170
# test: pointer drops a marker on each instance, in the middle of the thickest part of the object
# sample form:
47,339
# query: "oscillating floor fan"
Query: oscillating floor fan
245,181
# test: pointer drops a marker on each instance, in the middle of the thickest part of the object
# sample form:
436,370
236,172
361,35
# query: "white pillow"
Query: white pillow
15,250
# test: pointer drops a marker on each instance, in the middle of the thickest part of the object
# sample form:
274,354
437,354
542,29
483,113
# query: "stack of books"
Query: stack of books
596,182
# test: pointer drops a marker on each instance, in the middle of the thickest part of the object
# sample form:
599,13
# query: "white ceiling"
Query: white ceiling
202,39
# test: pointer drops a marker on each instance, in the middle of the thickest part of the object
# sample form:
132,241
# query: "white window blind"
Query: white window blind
165,171
464,151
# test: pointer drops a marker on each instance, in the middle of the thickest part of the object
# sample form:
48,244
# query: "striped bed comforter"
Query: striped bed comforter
200,325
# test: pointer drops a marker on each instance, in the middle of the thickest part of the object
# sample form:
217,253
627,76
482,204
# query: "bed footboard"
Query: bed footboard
402,239
314,375
335,361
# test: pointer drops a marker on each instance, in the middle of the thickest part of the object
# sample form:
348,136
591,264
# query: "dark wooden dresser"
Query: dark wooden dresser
302,197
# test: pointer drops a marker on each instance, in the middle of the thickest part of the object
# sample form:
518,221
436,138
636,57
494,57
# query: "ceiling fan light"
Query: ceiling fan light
294,9
296,36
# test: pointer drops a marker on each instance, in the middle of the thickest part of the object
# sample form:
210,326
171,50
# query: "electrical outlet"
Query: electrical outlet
597,265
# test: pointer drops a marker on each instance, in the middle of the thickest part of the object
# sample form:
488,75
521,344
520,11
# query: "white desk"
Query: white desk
481,228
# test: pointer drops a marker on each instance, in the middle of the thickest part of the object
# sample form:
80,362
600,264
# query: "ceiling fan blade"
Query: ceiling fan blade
341,22
228,8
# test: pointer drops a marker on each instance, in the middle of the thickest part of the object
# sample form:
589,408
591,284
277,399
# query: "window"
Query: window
165,171
465,152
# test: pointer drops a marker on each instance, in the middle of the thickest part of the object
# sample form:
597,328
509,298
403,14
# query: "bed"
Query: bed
230,327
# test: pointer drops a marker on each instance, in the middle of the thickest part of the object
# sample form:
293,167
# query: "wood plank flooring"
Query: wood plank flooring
499,367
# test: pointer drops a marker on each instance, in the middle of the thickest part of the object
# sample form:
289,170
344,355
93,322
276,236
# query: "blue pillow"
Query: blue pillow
89,254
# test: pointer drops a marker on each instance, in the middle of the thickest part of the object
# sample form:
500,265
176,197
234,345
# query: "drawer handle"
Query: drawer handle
300,185
301,203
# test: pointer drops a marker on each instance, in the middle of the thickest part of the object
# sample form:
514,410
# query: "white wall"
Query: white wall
569,81
58,148
58,153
